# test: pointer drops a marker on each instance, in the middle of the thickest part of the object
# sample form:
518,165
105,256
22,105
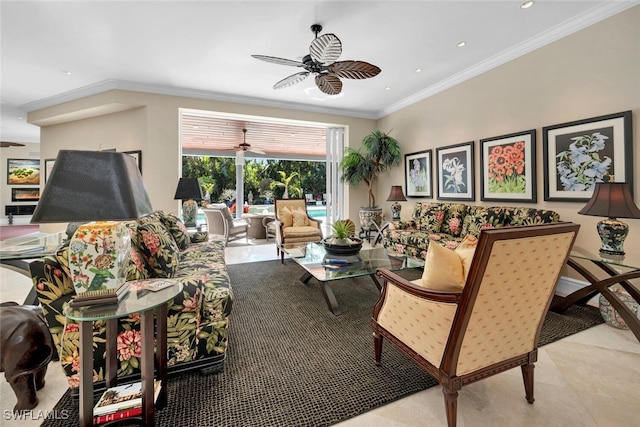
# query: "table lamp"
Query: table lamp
189,189
396,196
612,200
100,186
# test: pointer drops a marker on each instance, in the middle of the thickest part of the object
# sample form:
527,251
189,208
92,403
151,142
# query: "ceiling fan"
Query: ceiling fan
244,147
322,61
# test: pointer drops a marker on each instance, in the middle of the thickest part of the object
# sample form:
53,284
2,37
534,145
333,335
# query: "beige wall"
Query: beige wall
590,73
593,72
149,123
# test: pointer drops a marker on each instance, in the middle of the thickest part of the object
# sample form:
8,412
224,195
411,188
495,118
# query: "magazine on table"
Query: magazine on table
122,397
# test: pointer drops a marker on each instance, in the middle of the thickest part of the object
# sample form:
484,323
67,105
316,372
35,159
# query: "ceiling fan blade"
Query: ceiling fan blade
326,49
329,84
256,150
279,61
291,80
354,69
5,144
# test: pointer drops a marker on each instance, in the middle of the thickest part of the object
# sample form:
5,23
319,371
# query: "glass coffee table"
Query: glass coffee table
19,252
325,268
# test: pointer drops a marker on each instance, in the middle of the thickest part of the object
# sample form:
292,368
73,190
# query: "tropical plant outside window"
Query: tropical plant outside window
217,176
581,166
507,168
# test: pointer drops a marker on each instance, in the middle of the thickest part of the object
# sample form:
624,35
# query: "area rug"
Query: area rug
291,362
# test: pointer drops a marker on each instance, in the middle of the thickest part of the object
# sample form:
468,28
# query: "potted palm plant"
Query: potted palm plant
378,153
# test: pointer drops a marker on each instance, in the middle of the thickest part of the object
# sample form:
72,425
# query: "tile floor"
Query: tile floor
588,379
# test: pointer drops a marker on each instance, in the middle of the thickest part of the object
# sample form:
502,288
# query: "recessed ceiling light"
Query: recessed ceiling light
417,70
387,88
67,72
526,5
462,43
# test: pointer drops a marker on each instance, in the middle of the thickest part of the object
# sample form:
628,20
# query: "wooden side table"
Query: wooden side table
611,267
137,301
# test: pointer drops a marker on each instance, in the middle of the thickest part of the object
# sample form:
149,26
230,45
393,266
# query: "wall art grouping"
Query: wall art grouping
576,156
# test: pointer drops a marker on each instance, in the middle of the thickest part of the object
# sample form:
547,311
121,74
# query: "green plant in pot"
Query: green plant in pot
342,240
378,153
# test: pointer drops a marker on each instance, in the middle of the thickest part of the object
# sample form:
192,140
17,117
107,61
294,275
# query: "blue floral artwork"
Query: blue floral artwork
584,159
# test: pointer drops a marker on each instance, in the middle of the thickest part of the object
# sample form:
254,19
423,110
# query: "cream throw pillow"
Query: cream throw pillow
300,218
285,215
445,269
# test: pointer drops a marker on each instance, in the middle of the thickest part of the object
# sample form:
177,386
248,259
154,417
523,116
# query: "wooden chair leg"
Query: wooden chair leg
377,347
527,376
451,406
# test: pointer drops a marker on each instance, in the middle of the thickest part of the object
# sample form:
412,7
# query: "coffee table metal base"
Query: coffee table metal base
327,292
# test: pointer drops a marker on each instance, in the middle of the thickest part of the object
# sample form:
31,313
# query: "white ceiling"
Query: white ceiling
202,49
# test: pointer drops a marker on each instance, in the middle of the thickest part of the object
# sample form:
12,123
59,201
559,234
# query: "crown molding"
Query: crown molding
584,20
108,85
589,17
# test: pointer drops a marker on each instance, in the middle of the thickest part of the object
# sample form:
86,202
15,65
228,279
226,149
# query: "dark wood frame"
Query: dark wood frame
10,166
617,127
48,168
469,182
137,154
409,158
529,151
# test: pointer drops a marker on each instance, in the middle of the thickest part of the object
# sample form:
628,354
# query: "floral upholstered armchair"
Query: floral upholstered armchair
198,317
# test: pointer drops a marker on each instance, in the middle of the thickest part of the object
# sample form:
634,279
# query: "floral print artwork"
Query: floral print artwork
452,174
582,165
506,168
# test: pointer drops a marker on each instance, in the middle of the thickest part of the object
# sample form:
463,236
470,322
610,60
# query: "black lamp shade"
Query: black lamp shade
188,188
396,194
92,186
611,200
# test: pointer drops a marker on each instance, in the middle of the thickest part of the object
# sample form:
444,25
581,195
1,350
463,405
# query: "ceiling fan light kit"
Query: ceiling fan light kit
322,61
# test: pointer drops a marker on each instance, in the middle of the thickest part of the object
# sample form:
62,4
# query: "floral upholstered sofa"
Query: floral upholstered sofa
198,317
448,223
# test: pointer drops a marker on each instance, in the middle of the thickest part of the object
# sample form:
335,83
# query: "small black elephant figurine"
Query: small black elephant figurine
26,348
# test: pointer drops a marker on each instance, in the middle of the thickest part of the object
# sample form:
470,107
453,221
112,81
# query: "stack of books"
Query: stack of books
120,402
101,297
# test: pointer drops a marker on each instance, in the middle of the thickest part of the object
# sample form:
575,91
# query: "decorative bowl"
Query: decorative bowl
343,249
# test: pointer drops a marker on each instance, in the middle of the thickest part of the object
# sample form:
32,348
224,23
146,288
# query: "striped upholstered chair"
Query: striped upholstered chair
487,323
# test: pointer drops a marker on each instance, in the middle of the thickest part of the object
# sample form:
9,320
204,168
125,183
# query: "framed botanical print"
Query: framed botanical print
579,154
417,174
455,172
508,167
48,168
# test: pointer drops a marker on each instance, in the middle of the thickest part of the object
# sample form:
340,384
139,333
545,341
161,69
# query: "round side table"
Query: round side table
140,301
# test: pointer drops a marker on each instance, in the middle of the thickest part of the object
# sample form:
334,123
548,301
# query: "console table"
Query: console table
618,270
136,301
